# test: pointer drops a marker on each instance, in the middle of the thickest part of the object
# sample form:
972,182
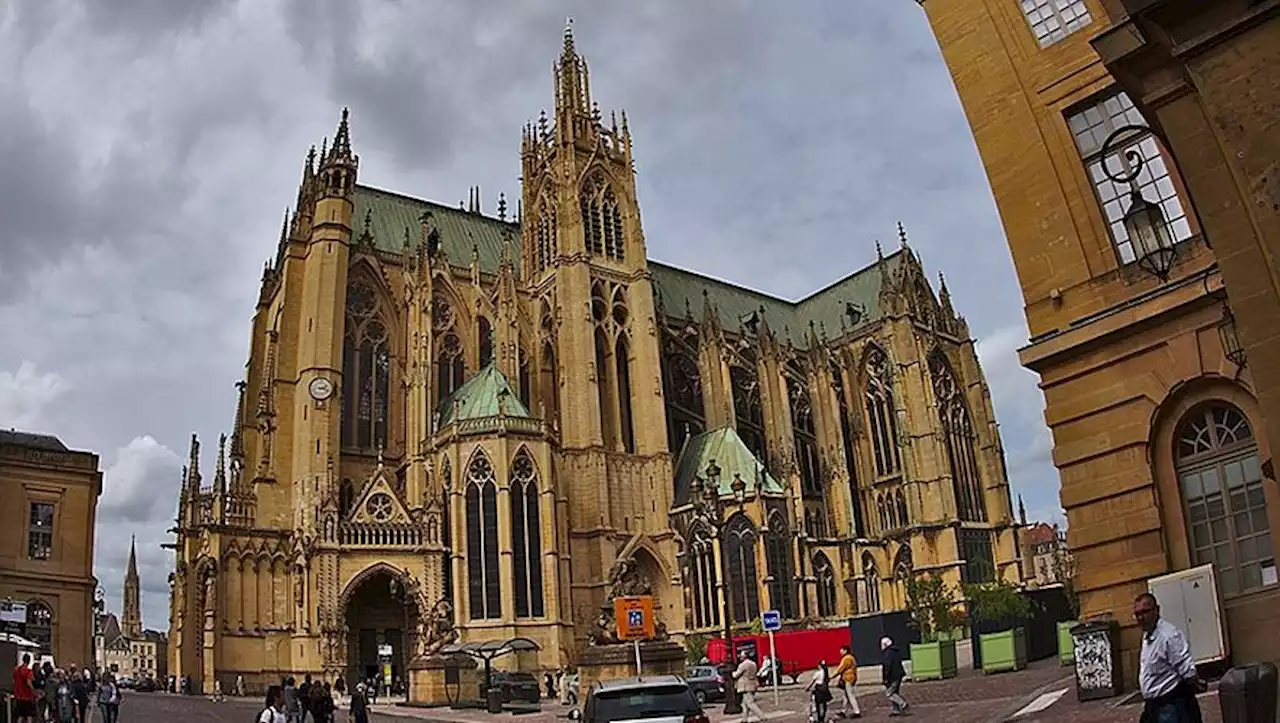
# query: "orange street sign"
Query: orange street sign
634,617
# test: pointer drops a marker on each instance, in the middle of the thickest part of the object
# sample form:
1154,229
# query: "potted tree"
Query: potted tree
930,601
1000,602
1064,569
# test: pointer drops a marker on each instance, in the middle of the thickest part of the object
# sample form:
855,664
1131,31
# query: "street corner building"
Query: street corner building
484,427
48,503
1127,144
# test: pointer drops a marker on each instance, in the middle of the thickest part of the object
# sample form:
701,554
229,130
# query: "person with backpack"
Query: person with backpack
273,709
109,698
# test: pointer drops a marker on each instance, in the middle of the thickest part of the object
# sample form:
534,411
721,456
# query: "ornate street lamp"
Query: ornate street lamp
1228,334
1145,223
708,508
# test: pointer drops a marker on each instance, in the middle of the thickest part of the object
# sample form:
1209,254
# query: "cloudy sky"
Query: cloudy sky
149,149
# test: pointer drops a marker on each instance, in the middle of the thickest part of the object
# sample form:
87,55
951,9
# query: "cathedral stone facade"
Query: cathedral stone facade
482,427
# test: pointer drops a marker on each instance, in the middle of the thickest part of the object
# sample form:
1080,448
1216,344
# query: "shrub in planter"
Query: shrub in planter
1000,601
930,601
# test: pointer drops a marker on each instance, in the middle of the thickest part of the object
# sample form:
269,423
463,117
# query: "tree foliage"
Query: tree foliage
931,603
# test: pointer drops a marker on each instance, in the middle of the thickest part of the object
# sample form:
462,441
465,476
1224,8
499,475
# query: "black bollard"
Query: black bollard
1247,694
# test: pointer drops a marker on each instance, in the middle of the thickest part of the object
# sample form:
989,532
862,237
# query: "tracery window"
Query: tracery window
682,387
886,522
549,382
953,412
484,343
904,518
622,360
601,218
979,557
826,576
604,389
40,625
903,565
871,580
482,540
526,537
702,565
777,550
805,437
748,409
450,367
740,541
1225,502
882,420
544,247
367,371
846,437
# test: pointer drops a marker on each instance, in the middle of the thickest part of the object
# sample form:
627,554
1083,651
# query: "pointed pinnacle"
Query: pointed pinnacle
902,235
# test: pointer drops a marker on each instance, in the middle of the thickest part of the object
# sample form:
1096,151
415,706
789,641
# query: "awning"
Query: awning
19,641
489,650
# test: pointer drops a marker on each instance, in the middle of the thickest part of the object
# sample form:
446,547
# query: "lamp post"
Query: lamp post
709,508
1145,223
99,607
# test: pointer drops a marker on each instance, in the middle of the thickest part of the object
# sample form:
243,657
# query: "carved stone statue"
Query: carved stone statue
437,629
603,630
625,580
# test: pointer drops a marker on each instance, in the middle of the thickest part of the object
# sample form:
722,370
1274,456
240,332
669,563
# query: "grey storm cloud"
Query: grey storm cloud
150,148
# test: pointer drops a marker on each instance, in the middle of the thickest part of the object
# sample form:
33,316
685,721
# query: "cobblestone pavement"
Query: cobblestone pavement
164,707
1069,710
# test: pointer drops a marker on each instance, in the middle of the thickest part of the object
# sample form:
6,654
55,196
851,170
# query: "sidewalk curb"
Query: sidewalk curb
1007,713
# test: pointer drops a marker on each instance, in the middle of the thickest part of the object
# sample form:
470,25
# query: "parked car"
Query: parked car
515,686
706,682
146,685
660,699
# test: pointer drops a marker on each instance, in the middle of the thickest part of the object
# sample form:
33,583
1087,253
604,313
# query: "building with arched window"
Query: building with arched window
48,503
1155,397
443,408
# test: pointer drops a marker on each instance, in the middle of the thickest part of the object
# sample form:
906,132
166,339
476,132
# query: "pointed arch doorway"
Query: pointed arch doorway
381,613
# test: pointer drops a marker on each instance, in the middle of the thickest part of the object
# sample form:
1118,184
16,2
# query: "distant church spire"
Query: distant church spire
131,618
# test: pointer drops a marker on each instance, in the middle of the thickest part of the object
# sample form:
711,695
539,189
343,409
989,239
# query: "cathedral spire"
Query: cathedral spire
193,465
338,165
573,91
131,613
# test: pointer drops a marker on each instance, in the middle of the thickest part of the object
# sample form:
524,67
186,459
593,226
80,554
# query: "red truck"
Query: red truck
798,650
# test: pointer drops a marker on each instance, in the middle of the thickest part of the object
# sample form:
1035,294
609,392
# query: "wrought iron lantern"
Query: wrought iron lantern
739,488
1229,335
1144,221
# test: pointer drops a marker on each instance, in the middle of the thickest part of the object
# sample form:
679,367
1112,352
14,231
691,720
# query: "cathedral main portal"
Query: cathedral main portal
381,616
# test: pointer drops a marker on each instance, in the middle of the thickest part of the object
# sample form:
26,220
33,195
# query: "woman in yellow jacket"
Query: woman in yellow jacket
846,677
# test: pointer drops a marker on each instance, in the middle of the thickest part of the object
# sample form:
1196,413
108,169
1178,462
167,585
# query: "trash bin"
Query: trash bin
1248,693
1097,648
493,700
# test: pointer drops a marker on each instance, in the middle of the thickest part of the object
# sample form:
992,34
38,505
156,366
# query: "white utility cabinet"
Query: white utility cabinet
1189,599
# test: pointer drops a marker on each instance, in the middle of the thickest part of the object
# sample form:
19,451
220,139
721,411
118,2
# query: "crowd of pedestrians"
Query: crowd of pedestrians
57,695
313,702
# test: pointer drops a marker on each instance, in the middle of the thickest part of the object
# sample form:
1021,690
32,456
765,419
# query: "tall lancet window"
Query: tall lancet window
450,366
601,218
740,541
701,560
846,437
366,369
446,482
826,574
682,389
484,340
526,538
544,240
953,413
483,585
748,408
804,434
782,584
882,420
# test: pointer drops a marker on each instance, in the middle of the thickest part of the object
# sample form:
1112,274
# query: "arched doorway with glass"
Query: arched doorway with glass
381,611
1219,474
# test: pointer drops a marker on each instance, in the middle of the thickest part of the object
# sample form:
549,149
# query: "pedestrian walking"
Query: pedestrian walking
1167,673
359,704
746,684
819,688
273,710
109,699
65,708
292,710
892,673
846,677
79,684
24,692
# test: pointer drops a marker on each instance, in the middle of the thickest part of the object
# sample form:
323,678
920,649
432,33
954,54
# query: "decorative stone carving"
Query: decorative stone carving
625,580
436,629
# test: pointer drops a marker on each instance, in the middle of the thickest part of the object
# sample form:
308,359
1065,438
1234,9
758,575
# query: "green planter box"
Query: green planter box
1066,643
1004,651
933,661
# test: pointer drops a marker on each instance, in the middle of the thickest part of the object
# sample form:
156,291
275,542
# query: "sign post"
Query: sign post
771,621
633,616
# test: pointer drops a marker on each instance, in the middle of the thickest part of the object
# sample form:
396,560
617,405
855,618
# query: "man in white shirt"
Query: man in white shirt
1167,673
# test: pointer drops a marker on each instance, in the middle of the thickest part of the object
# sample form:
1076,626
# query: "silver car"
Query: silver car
657,699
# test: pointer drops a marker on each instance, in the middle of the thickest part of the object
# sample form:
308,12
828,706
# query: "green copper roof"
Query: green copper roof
677,290
731,455
486,395
390,214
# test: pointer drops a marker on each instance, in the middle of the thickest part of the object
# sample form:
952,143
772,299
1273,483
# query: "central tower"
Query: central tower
585,265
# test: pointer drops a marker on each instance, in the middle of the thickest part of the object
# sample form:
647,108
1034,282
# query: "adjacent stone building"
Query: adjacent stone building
455,420
1158,428
48,505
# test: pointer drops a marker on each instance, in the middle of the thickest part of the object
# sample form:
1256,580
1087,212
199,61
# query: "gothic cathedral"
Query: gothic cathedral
487,426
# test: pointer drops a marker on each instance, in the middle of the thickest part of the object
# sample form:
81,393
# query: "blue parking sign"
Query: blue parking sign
771,620
635,618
